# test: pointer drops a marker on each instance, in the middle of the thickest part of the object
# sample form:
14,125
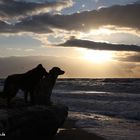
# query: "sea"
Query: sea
107,107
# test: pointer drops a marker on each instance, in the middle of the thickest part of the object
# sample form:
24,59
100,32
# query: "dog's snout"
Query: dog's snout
62,72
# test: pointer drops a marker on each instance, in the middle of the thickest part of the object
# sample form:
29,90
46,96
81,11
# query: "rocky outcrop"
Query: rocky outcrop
24,121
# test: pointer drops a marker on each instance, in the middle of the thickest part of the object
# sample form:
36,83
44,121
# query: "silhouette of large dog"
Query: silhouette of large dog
44,89
26,82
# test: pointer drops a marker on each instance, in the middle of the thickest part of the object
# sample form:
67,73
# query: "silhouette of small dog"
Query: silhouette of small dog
44,89
26,82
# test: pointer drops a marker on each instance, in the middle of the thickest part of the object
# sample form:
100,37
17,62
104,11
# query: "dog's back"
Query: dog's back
26,81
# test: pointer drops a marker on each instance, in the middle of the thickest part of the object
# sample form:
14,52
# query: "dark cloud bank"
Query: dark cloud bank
72,66
22,64
19,8
122,16
99,46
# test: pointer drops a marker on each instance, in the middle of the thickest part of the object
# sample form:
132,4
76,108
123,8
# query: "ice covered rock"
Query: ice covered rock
25,121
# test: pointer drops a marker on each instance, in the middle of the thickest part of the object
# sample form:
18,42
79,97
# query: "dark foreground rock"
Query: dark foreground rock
24,121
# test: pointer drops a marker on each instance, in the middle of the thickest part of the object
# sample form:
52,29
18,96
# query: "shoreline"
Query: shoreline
69,131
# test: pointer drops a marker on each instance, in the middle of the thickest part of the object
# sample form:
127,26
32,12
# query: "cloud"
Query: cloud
35,27
99,46
38,28
123,16
17,8
131,58
4,27
126,16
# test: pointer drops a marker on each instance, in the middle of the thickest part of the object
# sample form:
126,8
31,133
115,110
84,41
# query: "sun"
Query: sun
98,56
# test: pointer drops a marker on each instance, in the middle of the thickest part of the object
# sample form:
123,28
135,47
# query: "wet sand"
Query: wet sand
69,131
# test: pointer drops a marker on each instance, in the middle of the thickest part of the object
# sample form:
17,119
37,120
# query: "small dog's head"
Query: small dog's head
56,71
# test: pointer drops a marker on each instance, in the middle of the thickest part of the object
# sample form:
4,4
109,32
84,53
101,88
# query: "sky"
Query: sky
86,38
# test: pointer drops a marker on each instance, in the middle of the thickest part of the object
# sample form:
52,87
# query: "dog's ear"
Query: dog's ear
39,66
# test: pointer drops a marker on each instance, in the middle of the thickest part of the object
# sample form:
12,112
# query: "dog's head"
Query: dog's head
56,71
41,69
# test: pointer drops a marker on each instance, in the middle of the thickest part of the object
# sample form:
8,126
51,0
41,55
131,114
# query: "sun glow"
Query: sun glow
102,30
98,56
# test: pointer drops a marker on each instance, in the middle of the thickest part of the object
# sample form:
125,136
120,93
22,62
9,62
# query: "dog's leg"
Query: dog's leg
10,94
32,97
8,101
49,102
26,96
